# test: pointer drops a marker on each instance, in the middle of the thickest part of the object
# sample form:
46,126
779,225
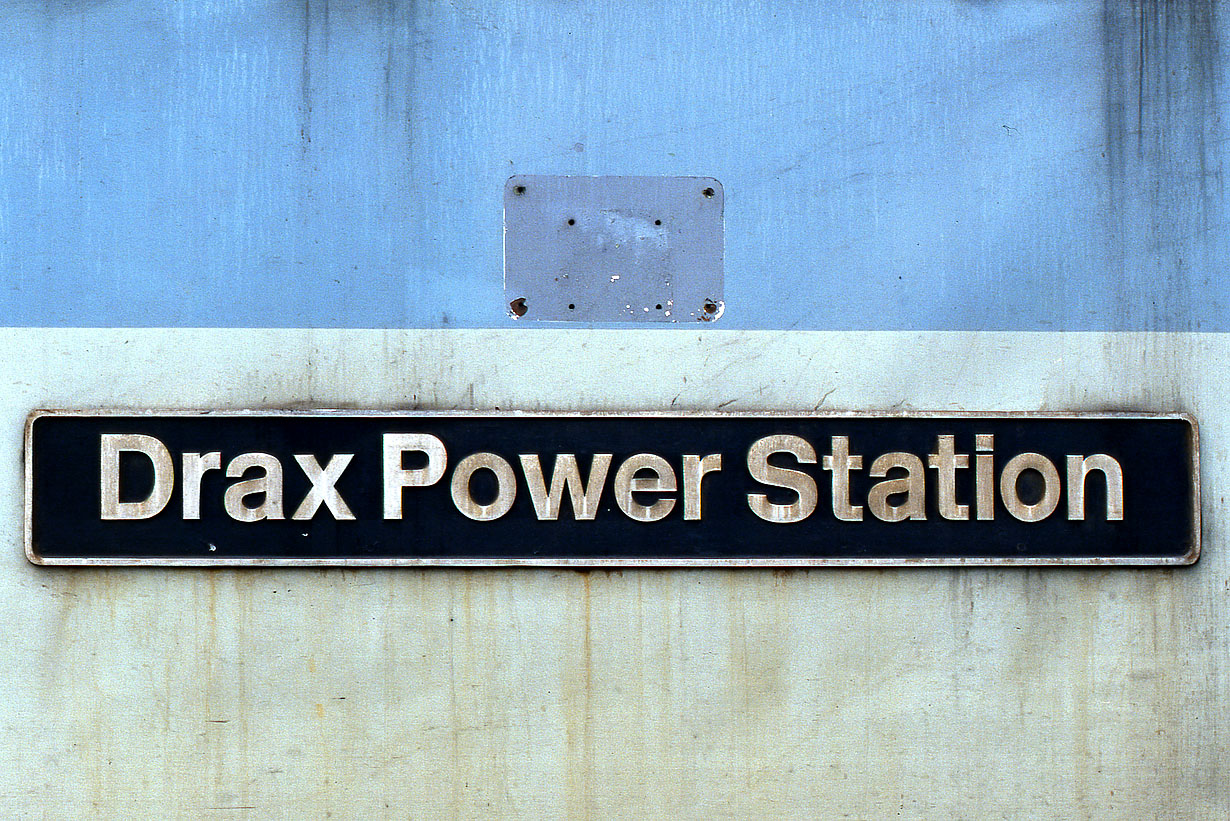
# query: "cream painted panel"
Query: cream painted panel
937,693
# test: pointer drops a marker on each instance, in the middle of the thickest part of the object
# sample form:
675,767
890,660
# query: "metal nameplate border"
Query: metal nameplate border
1188,558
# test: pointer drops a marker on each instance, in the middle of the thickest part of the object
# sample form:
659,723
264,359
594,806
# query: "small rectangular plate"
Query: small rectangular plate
707,516
613,249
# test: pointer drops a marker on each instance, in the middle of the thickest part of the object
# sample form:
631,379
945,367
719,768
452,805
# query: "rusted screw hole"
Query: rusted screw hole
657,222
710,307
520,189
572,222
571,306
518,307
708,192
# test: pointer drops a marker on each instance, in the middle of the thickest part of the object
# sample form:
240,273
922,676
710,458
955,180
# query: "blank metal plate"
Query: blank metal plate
613,249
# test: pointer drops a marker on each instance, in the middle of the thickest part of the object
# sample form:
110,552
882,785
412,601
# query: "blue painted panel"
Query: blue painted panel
887,165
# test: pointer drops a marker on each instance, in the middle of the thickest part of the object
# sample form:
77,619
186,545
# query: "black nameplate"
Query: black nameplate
359,488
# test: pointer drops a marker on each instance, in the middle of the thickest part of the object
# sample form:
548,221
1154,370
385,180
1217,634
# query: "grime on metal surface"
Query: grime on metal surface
614,249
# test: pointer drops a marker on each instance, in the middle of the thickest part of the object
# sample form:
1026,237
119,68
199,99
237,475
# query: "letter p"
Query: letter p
396,477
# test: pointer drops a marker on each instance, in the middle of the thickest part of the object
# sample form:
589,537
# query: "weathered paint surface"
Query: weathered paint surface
544,694
906,170
938,164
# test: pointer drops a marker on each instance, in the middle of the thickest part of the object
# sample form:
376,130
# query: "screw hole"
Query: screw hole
658,306
572,221
520,189
710,307
657,222
571,306
708,192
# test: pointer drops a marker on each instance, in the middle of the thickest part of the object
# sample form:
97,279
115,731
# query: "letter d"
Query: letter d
109,467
